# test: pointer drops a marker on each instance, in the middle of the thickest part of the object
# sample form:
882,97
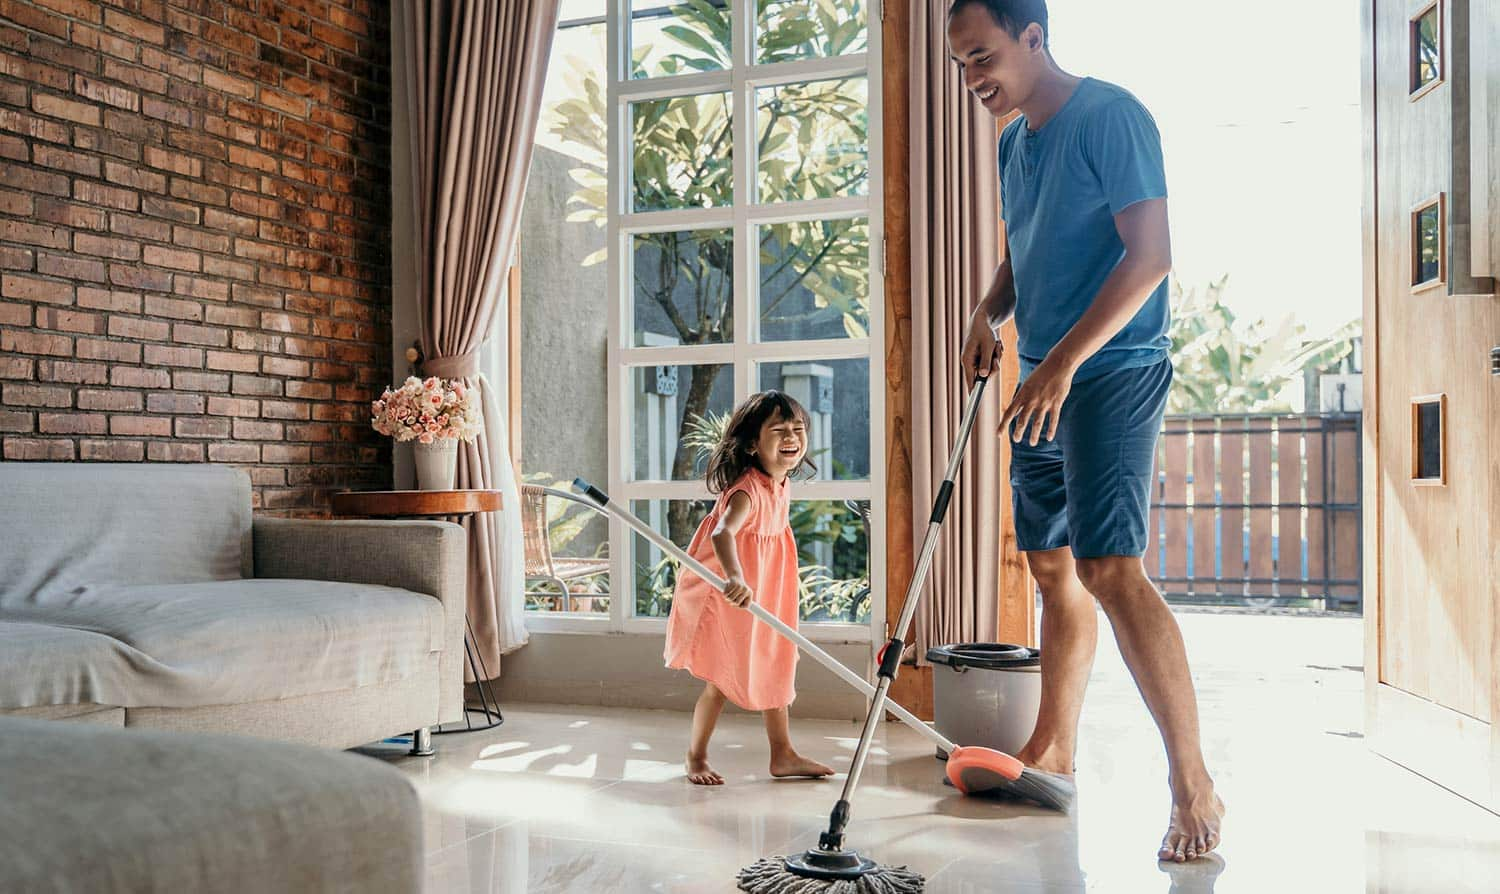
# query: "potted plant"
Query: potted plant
434,414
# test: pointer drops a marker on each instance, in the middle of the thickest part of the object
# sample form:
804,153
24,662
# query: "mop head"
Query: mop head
771,876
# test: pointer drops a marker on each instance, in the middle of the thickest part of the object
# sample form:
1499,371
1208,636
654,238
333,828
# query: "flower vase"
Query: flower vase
437,464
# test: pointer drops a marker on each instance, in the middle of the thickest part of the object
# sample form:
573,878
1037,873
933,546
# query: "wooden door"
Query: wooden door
1432,428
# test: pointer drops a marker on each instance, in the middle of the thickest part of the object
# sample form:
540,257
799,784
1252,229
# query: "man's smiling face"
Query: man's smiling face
999,69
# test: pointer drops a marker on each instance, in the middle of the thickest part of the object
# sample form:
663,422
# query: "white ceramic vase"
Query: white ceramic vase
437,464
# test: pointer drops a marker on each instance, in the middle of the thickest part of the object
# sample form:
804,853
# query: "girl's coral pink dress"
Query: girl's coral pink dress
716,641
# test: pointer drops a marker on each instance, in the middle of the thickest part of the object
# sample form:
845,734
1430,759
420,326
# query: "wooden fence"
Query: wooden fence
1258,510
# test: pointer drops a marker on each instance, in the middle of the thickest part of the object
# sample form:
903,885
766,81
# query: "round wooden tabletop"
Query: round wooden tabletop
414,503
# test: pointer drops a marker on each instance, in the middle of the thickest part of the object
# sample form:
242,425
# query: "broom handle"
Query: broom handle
602,500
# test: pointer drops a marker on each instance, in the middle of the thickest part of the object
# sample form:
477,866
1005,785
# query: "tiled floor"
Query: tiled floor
566,799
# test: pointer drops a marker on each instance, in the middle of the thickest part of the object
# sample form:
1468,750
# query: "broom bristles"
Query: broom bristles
1047,789
770,876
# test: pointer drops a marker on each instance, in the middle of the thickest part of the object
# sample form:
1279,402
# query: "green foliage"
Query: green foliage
1222,365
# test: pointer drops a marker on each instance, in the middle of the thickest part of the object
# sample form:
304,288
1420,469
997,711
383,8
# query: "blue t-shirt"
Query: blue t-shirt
1060,188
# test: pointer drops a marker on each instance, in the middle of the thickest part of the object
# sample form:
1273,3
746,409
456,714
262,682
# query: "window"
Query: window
1429,439
1426,50
743,219
1429,243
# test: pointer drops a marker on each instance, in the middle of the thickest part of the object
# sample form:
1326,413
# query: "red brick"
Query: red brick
234,453
178,211
13,421
33,234
126,401
233,406
202,193
217,383
314,432
173,452
109,94
16,149
162,355
223,220
303,347
35,343
71,423
129,327
168,402
260,297
250,430
15,314
104,42
70,214
200,335
13,395
141,426
116,351
207,289
244,317
231,361
12,258
284,366
104,299
140,227
156,256
201,427
309,390
34,450
283,409
108,196
282,453
65,160
112,451
230,269
28,288
136,377
33,180
227,83
197,239
134,177
166,110
67,109
30,71
246,203
139,278
69,321
134,27
70,267
140,78
256,385
68,372
16,367
180,69
105,247
158,306
19,204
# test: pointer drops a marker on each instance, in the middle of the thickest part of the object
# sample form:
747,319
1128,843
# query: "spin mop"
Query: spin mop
829,868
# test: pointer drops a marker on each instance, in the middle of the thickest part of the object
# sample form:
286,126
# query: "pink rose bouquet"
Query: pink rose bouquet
428,410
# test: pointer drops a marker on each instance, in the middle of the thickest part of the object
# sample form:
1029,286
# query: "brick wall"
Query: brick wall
194,236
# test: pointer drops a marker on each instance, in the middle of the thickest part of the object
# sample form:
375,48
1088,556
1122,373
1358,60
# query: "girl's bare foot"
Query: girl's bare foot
700,773
790,763
1194,828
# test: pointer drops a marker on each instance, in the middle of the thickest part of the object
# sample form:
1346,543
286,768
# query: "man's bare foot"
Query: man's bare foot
700,773
1194,828
791,763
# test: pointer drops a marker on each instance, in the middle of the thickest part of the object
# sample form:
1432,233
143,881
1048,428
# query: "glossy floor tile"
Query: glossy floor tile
575,799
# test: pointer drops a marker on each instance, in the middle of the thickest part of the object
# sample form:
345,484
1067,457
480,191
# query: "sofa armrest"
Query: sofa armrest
428,557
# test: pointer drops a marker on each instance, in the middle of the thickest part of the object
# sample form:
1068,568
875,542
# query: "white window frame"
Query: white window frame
746,352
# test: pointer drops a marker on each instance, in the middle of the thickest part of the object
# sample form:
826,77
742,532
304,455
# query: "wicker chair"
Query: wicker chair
541,565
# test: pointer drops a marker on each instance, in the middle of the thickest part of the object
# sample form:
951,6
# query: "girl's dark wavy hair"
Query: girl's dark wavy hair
732,457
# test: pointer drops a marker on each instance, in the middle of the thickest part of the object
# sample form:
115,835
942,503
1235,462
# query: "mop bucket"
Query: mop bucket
986,694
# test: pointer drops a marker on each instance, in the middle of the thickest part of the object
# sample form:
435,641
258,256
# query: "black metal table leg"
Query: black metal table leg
489,706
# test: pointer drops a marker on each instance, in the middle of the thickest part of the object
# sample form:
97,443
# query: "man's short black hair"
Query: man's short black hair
1012,15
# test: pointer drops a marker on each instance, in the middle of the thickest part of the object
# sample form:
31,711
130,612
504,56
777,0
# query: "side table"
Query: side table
452,505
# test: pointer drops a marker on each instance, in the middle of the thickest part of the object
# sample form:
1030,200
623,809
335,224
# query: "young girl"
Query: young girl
747,538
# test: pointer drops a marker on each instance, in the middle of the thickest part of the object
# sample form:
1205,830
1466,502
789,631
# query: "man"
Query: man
1084,204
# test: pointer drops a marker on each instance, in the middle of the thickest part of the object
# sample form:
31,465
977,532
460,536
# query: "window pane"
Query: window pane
1429,245
683,287
682,152
1425,50
833,550
836,394
815,280
678,412
813,140
564,281
567,563
670,37
655,573
798,29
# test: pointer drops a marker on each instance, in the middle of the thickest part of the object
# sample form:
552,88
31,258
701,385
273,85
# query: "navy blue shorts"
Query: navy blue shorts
1090,487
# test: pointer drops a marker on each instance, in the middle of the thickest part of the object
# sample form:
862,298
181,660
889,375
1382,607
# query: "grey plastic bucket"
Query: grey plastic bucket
986,694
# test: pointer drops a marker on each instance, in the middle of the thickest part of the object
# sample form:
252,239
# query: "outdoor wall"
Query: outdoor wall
195,237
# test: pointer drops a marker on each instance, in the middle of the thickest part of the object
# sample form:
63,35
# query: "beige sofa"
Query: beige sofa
149,596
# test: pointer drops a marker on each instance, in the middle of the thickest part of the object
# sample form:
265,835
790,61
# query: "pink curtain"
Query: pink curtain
955,230
476,72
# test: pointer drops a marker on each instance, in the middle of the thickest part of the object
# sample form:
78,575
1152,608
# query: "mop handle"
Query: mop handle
603,501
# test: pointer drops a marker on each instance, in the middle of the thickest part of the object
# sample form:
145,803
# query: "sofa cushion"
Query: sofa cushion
97,810
67,525
45,665
229,642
